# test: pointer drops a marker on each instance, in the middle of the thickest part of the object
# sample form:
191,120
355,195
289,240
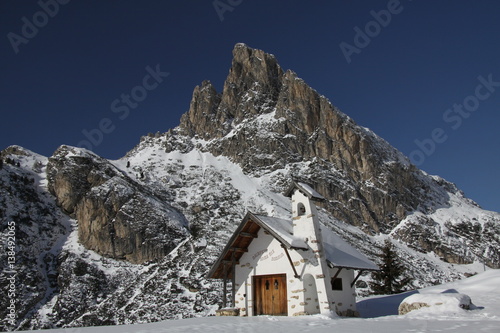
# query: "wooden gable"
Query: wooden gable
237,245
242,238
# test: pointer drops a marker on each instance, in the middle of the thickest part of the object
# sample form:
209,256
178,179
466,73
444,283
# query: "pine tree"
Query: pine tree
389,279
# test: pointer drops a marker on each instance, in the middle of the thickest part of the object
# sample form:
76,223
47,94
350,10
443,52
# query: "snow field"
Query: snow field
484,290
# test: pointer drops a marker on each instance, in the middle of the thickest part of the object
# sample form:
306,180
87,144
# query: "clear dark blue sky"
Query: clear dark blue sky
404,77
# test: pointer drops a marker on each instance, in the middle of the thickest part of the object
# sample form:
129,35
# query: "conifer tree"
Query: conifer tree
389,279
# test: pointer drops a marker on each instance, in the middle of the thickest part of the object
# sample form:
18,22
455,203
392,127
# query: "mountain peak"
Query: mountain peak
267,119
252,87
253,73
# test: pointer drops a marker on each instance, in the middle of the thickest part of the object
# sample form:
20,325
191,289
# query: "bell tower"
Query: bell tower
306,226
304,212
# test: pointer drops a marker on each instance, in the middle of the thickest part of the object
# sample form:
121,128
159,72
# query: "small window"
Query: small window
337,284
267,284
301,209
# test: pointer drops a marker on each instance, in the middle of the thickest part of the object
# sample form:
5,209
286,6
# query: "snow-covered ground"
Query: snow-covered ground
380,315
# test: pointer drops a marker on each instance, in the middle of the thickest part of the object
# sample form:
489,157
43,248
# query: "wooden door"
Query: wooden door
270,297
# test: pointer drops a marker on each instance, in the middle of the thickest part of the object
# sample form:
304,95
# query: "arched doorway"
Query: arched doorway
310,295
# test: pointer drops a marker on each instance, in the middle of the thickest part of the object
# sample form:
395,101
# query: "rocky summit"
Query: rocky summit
104,242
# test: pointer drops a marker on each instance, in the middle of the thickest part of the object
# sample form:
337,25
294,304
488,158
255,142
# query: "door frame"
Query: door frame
256,295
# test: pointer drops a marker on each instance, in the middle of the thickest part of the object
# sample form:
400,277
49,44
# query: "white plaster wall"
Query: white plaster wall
264,257
311,300
307,227
345,299
302,225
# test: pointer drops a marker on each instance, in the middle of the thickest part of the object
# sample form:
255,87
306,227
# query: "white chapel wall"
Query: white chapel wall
345,299
312,293
265,256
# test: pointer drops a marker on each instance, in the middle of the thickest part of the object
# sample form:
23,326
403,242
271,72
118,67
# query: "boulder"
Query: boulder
444,302
227,312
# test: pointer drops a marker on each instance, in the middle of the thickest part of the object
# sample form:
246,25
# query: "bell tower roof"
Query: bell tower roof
305,189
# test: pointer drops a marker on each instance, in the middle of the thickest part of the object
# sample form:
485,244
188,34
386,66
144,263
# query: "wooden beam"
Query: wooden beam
224,288
297,276
337,274
233,280
230,262
356,278
238,249
248,234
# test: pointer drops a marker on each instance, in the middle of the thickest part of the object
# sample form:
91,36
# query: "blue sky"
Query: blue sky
424,75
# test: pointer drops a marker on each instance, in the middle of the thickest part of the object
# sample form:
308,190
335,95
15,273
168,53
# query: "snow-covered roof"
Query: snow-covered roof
282,230
305,189
340,254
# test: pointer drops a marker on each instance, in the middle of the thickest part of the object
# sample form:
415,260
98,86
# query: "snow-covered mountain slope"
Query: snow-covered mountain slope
267,119
130,241
483,290
39,231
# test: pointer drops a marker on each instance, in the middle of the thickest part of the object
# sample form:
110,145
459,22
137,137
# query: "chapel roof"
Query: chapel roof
338,252
306,189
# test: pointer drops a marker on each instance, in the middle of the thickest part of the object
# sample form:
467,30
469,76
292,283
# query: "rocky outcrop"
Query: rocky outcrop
448,301
268,119
202,112
251,88
117,217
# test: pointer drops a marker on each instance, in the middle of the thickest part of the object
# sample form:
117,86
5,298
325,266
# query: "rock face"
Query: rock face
253,85
305,127
117,217
268,119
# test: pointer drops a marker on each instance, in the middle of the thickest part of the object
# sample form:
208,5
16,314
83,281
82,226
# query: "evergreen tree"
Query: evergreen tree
389,279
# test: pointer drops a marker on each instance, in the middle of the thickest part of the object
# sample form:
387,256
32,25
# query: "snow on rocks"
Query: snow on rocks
444,302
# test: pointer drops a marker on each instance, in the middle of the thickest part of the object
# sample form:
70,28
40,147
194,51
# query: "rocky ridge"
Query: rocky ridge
268,119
